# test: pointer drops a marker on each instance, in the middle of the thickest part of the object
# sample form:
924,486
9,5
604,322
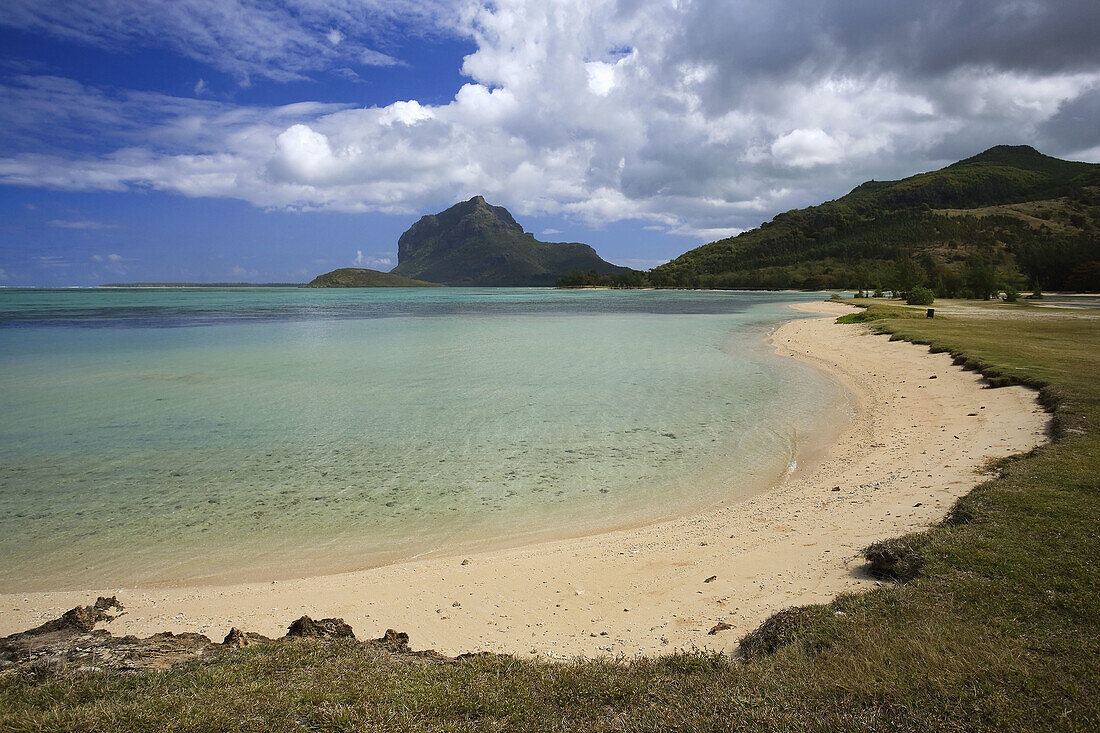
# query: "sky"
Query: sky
239,140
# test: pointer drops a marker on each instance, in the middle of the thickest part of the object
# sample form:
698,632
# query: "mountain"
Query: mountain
475,243
359,277
1010,214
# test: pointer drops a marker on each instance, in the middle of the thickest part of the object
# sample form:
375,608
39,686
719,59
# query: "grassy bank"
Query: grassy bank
996,626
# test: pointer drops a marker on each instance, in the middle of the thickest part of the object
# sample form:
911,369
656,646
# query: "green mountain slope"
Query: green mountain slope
1010,214
475,243
357,277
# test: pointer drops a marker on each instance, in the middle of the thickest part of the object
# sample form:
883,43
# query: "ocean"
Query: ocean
171,436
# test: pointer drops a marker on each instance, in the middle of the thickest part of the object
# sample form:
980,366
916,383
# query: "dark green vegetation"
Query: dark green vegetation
1007,217
474,243
990,620
594,279
357,277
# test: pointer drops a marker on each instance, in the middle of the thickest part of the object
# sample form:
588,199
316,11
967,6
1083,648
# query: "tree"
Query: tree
981,278
905,276
920,295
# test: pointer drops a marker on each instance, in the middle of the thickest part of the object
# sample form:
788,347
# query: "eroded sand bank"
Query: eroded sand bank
913,446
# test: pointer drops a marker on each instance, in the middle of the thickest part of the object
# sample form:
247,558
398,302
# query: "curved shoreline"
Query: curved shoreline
913,446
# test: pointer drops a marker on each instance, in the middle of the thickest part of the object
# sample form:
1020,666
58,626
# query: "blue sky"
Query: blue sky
235,140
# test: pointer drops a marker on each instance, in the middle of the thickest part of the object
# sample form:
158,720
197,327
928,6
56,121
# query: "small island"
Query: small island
361,277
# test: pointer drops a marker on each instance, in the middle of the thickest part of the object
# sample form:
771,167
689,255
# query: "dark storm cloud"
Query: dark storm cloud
755,42
1076,126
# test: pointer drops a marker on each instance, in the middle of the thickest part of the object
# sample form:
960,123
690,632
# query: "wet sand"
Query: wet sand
913,445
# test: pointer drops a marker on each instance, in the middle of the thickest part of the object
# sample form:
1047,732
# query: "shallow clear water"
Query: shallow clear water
183,435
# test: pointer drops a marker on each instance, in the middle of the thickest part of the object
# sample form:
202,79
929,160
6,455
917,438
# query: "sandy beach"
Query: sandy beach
920,432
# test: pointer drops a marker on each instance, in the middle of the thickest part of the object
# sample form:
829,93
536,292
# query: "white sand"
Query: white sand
914,445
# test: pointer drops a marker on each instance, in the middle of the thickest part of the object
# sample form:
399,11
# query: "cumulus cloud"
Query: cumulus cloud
698,119
806,148
374,262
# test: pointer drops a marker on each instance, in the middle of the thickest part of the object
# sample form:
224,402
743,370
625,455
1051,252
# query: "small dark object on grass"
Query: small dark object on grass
931,313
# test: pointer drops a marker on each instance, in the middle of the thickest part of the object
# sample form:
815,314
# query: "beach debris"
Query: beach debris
465,562
933,377
456,604
711,579
835,488
322,628
720,626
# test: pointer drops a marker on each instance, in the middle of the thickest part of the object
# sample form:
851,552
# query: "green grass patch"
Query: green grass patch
997,625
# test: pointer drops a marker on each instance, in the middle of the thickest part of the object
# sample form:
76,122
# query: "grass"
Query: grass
1000,628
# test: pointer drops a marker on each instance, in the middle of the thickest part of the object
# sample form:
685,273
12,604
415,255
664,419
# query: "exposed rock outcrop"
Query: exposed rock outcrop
71,642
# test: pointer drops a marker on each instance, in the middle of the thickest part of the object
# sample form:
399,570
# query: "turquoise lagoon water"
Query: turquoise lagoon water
170,436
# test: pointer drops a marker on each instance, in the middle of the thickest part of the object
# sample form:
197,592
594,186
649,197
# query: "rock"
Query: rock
720,626
81,619
465,562
236,638
326,628
711,579
394,641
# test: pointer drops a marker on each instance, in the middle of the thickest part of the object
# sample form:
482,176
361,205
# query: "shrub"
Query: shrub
920,295
1011,293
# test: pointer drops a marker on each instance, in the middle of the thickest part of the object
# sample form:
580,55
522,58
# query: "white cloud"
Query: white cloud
698,119
374,262
80,224
601,77
200,87
370,57
282,40
807,148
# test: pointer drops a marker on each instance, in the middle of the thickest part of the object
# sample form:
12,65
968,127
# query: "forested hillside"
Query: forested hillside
1009,217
